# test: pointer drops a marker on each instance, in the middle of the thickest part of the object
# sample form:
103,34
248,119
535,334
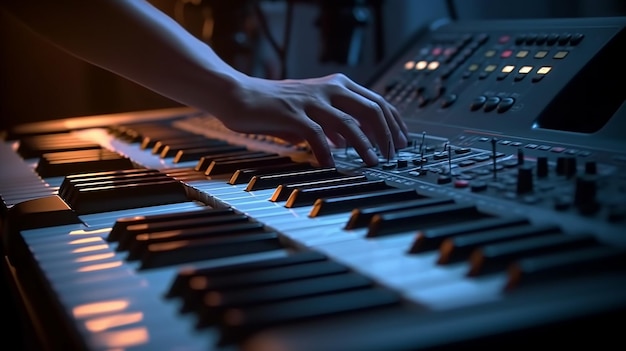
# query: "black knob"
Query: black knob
591,168
566,166
585,194
524,179
542,167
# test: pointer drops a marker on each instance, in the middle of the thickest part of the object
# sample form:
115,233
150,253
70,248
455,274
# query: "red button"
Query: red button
461,183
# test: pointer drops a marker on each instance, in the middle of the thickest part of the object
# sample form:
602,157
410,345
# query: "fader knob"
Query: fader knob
542,167
591,168
566,166
585,194
524,179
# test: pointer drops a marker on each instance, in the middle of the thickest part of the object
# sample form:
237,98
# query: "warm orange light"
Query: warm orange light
92,258
96,308
409,65
90,248
421,65
100,267
123,338
85,240
117,320
90,232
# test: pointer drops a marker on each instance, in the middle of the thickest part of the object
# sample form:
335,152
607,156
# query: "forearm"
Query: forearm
137,41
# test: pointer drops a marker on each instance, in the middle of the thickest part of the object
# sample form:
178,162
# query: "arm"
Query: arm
137,41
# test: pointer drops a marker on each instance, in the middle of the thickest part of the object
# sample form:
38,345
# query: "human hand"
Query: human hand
317,110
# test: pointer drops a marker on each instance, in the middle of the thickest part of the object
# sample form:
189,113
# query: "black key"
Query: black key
71,181
551,267
207,160
185,251
72,162
78,189
160,133
184,276
153,229
214,303
244,175
283,191
225,166
338,204
36,146
142,242
495,257
176,142
240,323
40,213
107,198
421,218
199,286
197,153
459,248
430,239
171,149
273,180
304,197
361,217
121,226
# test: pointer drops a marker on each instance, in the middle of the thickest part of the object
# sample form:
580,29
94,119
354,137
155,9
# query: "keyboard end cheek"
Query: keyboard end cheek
40,213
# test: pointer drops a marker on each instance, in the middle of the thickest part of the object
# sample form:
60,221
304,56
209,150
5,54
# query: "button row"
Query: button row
549,39
491,103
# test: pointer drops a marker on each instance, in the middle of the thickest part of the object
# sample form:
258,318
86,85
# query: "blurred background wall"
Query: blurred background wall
40,82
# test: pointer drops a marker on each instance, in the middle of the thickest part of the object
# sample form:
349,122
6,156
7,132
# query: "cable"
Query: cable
281,51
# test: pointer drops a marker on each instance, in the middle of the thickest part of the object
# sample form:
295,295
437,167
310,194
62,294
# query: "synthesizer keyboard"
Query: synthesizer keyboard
499,225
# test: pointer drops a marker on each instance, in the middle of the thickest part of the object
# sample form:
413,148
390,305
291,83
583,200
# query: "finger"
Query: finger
371,118
336,139
316,138
398,128
337,121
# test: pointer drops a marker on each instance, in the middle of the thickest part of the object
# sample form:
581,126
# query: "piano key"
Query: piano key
331,205
184,276
227,226
283,191
75,190
68,162
71,180
35,146
172,149
241,322
214,303
199,285
421,218
196,153
184,251
152,228
495,257
362,216
593,260
308,196
193,140
108,198
229,166
431,239
121,228
244,175
205,161
459,247
260,182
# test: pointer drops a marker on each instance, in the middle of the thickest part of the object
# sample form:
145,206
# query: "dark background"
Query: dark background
40,82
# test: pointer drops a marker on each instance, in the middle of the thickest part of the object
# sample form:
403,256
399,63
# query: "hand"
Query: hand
318,110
